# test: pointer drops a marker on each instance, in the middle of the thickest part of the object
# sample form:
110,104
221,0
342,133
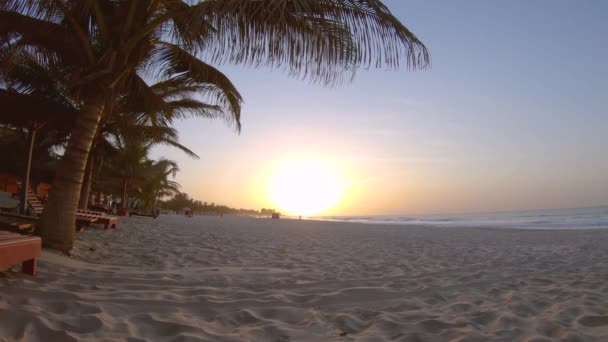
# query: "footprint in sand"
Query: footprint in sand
436,326
83,325
593,321
483,317
460,307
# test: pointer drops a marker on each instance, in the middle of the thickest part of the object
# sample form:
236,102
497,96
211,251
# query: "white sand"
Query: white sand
233,279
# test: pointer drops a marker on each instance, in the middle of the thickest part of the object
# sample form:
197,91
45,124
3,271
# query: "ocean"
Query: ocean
579,218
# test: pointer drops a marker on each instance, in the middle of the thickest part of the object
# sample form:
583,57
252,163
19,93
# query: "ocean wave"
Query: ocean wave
579,218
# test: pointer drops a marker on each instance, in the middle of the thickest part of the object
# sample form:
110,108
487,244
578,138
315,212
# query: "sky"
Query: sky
512,115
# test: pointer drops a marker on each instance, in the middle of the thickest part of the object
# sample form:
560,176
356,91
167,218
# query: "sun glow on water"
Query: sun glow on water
306,187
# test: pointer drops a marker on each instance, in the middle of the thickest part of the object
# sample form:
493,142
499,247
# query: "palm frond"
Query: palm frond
143,99
174,143
189,107
50,40
27,108
176,63
41,9
322,40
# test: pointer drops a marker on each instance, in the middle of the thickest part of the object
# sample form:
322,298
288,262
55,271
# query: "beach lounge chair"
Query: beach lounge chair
16,223
107,220
34,203
82,220
7,202
19,249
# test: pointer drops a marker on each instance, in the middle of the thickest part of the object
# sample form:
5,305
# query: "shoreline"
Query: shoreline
416,225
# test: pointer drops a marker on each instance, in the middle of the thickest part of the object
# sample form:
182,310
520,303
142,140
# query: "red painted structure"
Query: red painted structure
19,249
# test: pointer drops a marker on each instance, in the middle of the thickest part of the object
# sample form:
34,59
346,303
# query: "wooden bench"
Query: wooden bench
19,249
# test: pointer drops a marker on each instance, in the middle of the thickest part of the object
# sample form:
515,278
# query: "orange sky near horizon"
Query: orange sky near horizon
379,182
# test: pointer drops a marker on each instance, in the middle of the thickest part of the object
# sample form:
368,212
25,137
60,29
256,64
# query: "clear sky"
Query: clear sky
512,115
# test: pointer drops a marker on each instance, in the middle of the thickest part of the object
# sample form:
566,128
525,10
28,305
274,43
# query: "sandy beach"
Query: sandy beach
247,279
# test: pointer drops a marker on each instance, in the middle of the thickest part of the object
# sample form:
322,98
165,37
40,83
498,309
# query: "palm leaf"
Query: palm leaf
319,39
174,62
22,109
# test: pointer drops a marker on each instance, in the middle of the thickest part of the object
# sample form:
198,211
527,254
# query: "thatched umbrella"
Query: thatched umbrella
32,112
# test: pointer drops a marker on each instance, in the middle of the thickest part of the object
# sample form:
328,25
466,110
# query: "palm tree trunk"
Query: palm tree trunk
86,186
25,183
57,223
124,195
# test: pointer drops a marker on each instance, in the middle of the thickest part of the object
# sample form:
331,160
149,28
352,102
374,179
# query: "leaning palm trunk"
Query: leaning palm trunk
86,185
58,220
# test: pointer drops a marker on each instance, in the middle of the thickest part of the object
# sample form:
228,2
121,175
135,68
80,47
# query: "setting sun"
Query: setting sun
306,187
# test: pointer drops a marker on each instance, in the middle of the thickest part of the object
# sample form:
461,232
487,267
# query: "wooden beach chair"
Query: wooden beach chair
34,203
19,249
16,223
82,221
85,220
107,220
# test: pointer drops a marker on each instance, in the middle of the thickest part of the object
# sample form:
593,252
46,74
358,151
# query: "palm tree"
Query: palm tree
37,104
131,114
104,48
157,183
128,166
